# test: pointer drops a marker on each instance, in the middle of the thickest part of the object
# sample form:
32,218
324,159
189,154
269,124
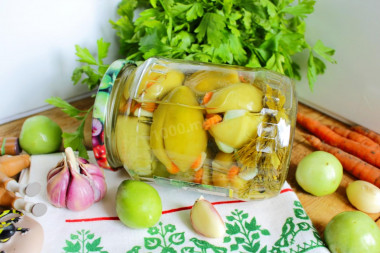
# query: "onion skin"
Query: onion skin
75,183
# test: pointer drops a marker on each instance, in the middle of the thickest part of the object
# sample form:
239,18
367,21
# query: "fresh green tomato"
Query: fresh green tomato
319,173
352,232
40,135
138,204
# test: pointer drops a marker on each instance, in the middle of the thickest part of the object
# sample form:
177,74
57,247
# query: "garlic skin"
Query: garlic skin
75,183
206,220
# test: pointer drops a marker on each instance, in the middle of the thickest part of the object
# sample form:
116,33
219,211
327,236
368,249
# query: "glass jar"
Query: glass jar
220,129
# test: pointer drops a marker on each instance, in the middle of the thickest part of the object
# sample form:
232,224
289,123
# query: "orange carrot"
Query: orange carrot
233,171
12,165
207,97
198,176
197,163
150,107
368,154
355,136
211,119
350,163
369,133
173,169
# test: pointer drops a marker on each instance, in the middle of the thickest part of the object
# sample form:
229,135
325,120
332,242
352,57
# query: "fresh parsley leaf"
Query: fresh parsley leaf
74,140
212,25
302,9
65,107
324,51
102,50
84,55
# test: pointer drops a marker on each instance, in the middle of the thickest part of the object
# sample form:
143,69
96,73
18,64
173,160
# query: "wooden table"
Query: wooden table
320,209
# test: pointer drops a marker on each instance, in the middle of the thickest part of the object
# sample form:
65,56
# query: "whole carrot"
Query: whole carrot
367,132
12,165
368,154
350,163
355,136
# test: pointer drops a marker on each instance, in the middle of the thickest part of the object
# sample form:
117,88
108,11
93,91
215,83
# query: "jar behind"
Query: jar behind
224,129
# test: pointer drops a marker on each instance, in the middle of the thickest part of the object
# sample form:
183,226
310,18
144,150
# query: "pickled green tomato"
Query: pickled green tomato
138,204
352,232
319,173
40,135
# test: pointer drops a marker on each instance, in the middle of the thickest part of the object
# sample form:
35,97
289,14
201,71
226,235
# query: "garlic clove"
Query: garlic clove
57,186
206,220
97,178
80,194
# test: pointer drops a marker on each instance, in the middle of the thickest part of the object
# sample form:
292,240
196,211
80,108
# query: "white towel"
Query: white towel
277,224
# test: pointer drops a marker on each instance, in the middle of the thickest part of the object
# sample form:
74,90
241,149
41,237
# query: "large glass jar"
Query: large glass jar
222,129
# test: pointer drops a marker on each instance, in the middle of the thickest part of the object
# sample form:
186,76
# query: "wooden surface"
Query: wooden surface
320,209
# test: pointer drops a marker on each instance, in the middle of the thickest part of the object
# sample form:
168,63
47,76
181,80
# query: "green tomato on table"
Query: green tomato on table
352,232
319,173
138,204
40,135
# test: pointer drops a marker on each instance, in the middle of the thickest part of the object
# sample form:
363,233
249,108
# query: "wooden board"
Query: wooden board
320,209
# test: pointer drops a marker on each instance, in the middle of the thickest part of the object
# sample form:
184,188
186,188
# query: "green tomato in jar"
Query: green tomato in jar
138,204
352,232
40,135
319,173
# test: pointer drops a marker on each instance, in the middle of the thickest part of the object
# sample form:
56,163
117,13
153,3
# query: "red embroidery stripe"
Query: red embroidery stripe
168,211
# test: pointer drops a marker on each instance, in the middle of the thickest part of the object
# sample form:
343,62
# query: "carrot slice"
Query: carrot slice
207,97
197,163
198,176
150,106
211,119
234,170
173,169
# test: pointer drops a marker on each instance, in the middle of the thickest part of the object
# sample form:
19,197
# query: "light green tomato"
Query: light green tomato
138,204
319,173
352,232
40,135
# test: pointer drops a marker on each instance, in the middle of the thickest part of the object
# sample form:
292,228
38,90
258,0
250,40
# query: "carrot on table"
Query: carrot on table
355,136
211,119
350,163
367,132
12,165
368,154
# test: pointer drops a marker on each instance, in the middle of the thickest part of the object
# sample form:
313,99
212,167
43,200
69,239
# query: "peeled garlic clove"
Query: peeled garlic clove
206,220
364,196
57,185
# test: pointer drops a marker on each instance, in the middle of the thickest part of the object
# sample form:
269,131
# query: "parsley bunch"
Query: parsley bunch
252,33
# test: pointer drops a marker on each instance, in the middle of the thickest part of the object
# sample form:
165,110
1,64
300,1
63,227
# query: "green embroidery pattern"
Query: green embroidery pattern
246,234
83,242
290,229
243,234
163,238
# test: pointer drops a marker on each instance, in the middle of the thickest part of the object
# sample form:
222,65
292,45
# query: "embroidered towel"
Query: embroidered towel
278,224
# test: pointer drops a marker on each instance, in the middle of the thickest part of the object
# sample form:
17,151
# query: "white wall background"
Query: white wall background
37,49
37,54
350,89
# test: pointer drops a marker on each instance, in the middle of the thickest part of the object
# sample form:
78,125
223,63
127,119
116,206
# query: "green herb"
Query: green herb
255,33
94,70
74,140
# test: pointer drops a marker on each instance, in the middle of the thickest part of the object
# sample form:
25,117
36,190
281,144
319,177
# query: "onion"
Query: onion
364,196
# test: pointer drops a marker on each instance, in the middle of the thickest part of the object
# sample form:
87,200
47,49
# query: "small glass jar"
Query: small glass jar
220,129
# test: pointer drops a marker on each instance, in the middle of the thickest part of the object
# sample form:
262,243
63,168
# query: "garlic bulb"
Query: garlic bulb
75,183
